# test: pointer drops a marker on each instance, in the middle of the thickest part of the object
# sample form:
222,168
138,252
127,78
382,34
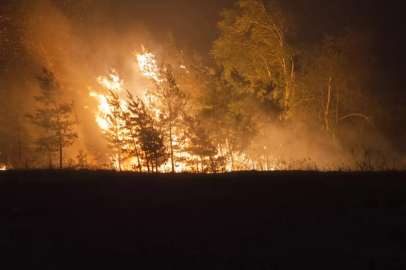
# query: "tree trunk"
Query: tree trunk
147,164
326,112
59,130
156,162
119,159
231,155
213,167
60,155
170,140
137,154
201,163
19,141
118,145
335,126
266,152
287,89
221,154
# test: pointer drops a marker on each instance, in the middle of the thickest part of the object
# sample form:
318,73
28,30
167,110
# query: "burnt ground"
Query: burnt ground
247,220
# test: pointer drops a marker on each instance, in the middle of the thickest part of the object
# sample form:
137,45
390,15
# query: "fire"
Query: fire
3,168
184,160
112,82
103,110
147,64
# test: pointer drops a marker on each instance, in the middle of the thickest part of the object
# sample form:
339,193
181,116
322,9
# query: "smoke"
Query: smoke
78,43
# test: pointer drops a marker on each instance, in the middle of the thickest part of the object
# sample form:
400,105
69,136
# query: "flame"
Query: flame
192,163
112,82
3,168
148,67
104,109
147,64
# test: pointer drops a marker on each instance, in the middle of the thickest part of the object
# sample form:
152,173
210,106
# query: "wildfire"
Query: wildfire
112,82
103,110
185,161
147,64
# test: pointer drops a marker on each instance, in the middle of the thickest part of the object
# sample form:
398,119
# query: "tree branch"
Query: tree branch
367,118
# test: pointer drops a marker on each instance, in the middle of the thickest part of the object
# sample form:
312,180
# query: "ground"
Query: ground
245,220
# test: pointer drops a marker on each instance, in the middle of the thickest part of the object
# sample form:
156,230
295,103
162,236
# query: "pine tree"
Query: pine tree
172,104
134,119
115,133
152,144
53,118
200,143
82,160
144,134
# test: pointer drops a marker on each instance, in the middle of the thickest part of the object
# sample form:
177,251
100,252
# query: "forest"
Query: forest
76,94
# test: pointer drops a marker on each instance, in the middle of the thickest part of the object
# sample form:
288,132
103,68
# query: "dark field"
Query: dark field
250,220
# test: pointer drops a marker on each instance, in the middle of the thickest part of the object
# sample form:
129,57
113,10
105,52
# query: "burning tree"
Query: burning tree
200,143
116,129
143,135
152,144
53,118
168,101
133,122
180,92
172,103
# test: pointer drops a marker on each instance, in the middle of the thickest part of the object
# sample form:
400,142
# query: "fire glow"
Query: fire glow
185,161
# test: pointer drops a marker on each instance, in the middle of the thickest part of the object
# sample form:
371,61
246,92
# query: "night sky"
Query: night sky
194,23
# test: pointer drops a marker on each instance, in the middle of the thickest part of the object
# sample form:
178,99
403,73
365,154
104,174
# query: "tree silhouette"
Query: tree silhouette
115,133
144,135
53,118
171,103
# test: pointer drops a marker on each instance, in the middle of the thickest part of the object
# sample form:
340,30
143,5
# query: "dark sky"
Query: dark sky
194,22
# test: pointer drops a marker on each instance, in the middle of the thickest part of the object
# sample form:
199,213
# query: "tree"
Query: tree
53,118
335,84
178,71
144,135
227,116
115,132
173,103
82,160
189,72
152,144
199,142
168,102
253,42
15,139
133,123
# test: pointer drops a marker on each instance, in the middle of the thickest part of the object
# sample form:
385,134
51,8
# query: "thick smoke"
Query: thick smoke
76,41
